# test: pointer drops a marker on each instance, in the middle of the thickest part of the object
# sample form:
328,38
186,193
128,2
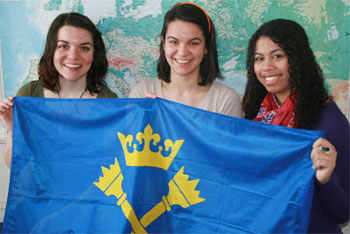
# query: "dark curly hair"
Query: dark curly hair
188,12
306,78
48,75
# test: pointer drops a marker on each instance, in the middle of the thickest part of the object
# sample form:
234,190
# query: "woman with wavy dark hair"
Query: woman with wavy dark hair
188,64
286,87
64,61
74,65
49,72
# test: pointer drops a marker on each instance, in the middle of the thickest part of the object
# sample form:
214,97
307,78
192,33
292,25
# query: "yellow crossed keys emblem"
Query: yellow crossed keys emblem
181,190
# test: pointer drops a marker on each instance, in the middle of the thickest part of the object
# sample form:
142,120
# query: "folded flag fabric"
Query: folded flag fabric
145,165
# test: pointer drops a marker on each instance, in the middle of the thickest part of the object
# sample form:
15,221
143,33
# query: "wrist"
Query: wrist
324,181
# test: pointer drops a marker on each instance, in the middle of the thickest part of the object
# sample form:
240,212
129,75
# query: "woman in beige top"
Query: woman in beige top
188,64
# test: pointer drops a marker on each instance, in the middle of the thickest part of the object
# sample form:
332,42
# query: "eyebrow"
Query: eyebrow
273,51
195,38
84,43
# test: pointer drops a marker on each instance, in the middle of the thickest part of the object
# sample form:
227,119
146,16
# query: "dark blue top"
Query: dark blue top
330,205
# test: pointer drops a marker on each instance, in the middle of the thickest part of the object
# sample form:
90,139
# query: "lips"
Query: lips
182,61
271,78
72,65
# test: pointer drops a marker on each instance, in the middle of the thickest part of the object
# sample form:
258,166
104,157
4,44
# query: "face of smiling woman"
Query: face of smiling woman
74,53
184,46
271,67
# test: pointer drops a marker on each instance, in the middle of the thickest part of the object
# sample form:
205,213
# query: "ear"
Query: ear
162,40
205,51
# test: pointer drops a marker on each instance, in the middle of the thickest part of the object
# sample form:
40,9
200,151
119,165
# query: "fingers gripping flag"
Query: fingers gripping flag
144,165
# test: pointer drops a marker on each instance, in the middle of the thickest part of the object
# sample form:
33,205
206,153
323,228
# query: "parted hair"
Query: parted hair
306,78
209,68
48,75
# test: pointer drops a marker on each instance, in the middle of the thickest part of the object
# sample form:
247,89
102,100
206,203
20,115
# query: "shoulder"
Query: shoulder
331,114
331,106
223,91
32,89
106,93
225,100
145,86
332,120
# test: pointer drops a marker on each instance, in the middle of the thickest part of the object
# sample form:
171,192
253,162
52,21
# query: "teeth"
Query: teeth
182,61
72,65
271,78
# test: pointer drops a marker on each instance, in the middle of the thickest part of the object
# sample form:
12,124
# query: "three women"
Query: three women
285,87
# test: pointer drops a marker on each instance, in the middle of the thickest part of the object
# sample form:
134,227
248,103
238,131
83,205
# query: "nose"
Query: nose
267,64
182,49
73,52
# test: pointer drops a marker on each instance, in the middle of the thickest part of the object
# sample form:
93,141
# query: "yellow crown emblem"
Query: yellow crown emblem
109,175
147,157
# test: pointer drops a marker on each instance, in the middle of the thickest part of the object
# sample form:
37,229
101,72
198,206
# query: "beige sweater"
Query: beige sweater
220,98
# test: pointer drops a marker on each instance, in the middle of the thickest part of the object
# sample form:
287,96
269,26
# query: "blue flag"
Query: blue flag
145,165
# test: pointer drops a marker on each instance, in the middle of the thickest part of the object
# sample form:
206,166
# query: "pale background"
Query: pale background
131,29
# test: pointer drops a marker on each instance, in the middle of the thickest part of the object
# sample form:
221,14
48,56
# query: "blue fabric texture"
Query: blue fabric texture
151,165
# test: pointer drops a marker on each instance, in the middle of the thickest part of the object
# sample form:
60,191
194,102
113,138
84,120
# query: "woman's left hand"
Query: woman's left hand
150,95
324,161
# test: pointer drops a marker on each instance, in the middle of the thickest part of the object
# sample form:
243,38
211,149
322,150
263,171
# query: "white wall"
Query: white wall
4,182
4,170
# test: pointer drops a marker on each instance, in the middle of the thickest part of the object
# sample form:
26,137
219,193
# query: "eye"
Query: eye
62,46
172,42
85,48
194,43
277,56
259,58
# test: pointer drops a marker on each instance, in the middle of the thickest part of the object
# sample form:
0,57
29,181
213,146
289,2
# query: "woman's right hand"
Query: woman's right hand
6,112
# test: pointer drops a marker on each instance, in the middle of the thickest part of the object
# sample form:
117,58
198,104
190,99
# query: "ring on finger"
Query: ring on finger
325,149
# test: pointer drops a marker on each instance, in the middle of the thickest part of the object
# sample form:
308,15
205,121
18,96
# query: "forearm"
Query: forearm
334,195
8,150
334,199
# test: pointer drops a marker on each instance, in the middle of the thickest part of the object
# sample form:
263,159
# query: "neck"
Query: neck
183,84
281,98
72,89
184,91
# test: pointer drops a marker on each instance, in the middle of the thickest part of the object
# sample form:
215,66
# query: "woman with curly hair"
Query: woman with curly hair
286,87
73,65
188,64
